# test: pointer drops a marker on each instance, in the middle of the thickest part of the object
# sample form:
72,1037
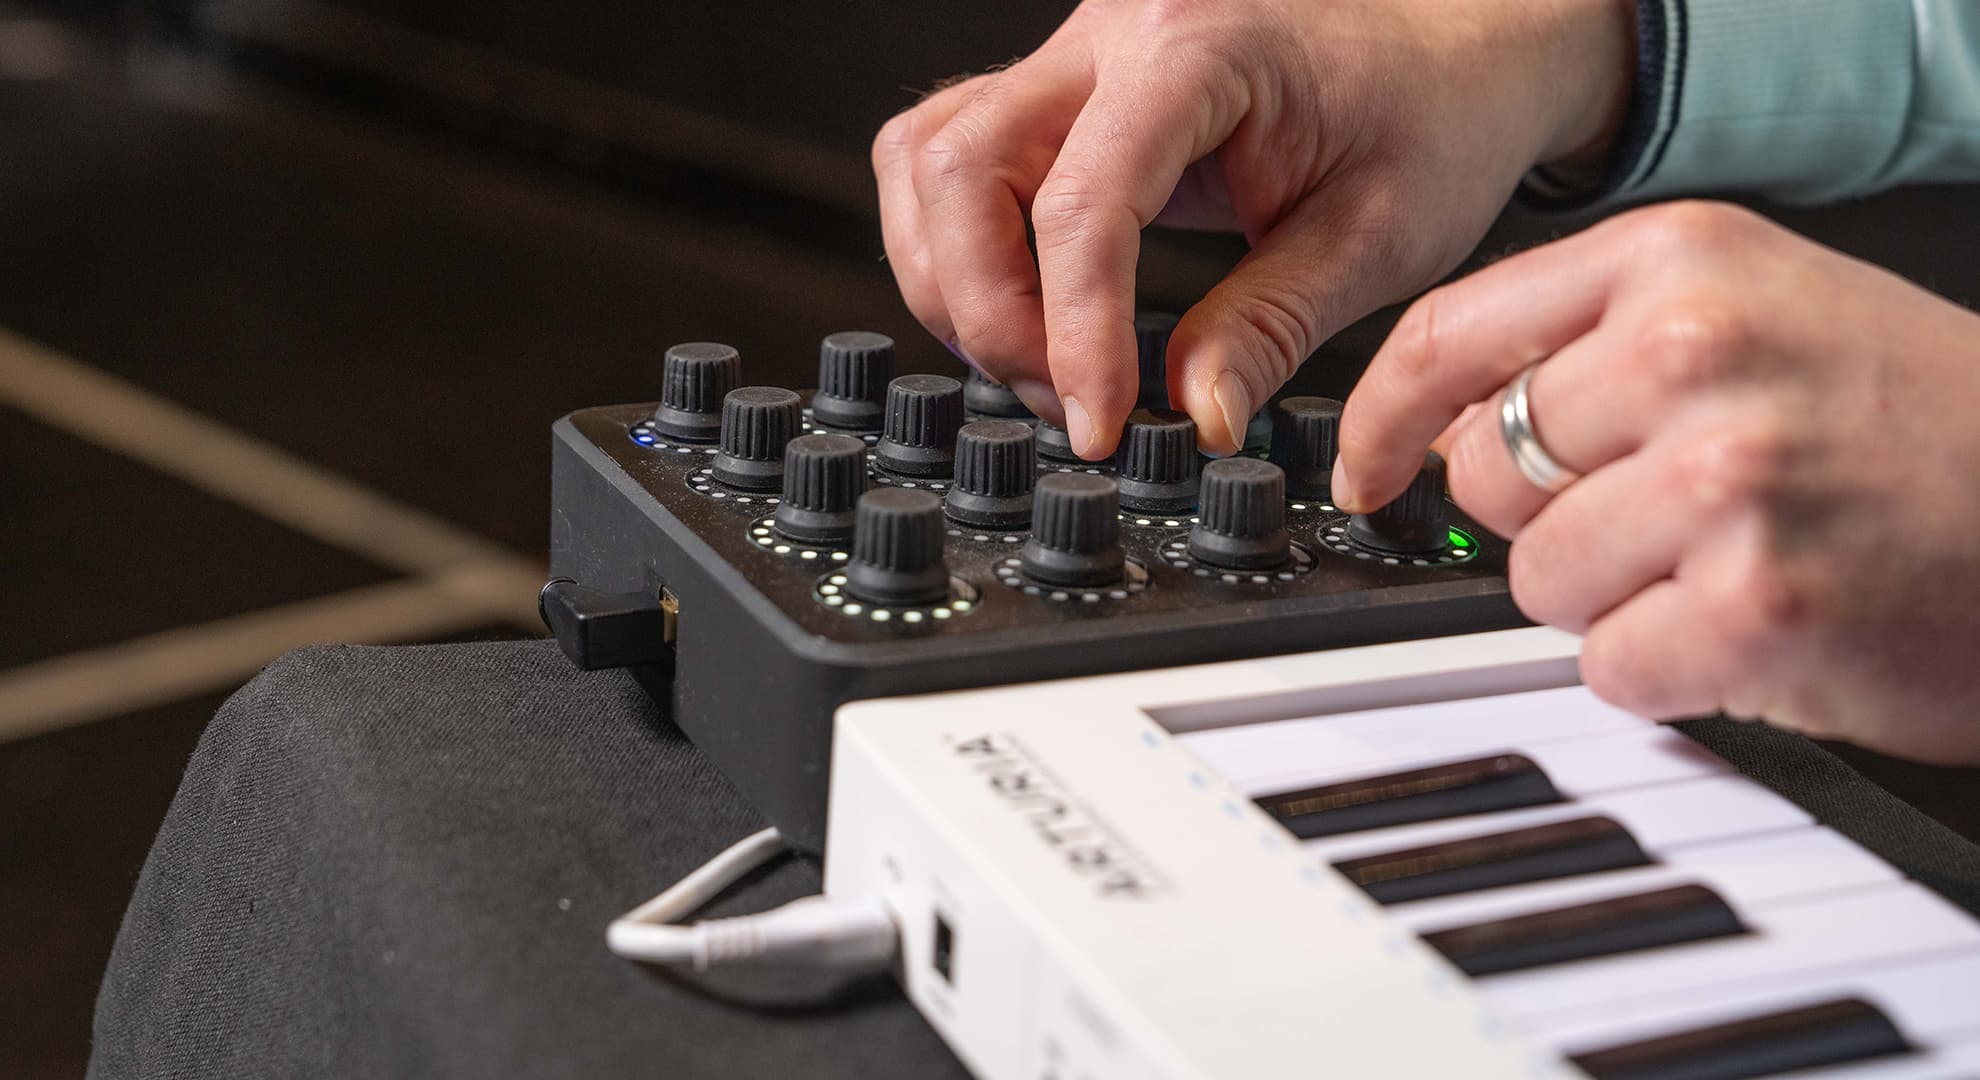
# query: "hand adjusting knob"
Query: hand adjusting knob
1415,522
897,549
1242,512
1306,438
854,368
1157,462
757,422
1075,531
694,378
1054,444
823,478
985,396
996,466
923,415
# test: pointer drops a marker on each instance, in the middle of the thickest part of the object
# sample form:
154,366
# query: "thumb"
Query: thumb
1320,268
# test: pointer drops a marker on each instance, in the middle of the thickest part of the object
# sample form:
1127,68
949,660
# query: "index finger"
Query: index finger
1459,344
1119,164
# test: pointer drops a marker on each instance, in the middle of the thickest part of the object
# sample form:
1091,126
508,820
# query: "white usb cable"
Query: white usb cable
814,931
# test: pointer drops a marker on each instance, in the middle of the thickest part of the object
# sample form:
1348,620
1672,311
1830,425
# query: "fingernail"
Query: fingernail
1079,426
1342,493
955,347
1234,401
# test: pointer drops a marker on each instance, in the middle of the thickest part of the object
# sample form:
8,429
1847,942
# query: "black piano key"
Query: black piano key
1672,916
1587,845
1478,786
1832,1033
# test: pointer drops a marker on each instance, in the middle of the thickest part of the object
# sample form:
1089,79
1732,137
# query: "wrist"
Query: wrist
1589,81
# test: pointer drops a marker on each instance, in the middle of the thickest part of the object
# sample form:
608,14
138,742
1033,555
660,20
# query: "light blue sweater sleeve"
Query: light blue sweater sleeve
1801,100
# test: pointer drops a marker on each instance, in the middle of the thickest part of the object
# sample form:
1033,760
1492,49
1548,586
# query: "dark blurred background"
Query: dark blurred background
290,293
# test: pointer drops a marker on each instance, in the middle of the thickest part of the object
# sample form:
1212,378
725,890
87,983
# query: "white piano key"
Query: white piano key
1283,751
1661,817
1824,934
1747,873
1958,1061
1929,999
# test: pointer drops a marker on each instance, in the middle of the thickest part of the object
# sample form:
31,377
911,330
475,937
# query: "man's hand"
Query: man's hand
1780,512
1361,146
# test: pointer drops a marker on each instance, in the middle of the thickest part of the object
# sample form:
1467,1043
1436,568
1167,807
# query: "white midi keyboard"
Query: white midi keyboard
1432,858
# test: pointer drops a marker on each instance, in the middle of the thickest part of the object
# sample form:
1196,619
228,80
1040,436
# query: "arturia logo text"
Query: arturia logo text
1069,827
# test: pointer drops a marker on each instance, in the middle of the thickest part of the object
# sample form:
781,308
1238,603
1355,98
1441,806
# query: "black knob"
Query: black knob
1258,433
1306,435
1152,330
1075,531
1054,444
1157,462
985,396
996,466
757,422
1241,515
923,414
1414,523
694,378
897,549
823,478
854,368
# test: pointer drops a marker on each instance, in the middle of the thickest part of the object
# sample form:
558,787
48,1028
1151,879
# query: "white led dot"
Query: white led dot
1092,597
910,616
721,494
835,601
980,536
1058,596
829,590
1118,594
1143,521
1172,523
807,554
940,613
782,549
854,609
962,605
881,615
1259,579
839,556
1299,506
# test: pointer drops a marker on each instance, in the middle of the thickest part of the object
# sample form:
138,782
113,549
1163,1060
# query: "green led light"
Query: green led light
1459,540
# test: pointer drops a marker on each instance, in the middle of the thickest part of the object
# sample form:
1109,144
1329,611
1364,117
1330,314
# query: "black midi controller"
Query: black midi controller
759,556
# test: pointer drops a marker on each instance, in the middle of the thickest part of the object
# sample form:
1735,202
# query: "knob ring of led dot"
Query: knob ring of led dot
876,474
1175,552
830,592
702,482
813,426
1333,535
763,533
1134,579
958,531
1047,468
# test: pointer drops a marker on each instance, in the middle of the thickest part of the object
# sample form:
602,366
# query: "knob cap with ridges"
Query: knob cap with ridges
1306,438
1415,522
923,414
824,476
694,378
1075,532
996,466
897,549
985,396
757,422
854,368
1152,330
1157,462
1242,516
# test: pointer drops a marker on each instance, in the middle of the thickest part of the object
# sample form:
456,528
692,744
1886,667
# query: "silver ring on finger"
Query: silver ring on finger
1540,468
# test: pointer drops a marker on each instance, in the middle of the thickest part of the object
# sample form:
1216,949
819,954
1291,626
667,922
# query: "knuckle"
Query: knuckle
1762,608
1063,210
1527,571
1725,470
946,157
1695,343
1695,225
